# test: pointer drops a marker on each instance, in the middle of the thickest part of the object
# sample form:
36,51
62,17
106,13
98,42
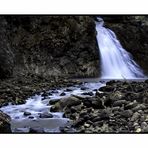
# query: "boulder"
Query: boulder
65,102
5,126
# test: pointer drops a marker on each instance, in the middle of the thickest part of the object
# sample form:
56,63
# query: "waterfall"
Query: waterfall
116,62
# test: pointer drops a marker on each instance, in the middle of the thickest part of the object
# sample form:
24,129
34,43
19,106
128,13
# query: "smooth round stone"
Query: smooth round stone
27,113
31,117
45,115
63,94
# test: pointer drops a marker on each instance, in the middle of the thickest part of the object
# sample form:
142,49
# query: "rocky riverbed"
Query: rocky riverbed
17,90
118,107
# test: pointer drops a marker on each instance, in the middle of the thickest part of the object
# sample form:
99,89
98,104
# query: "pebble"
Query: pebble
138,130
86,125
131,105
63,94
119,103
84,88
135,116
88,93
27,113
45,115
126,113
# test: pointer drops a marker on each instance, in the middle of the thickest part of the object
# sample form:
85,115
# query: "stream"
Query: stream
35,115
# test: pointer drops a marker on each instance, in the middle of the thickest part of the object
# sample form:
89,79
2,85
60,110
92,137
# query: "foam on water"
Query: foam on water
116,62
38,104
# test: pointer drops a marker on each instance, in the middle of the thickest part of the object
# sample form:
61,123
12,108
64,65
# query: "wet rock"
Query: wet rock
68,90
145,129
79,122
106,89
65,103
5,126
111,82
54,92
126,113
63,94
95,103
45,115
145,100
73,109
104,115
53,101
135,116
138,130
50,94
84,88
114,109
27,113
119,103
115,96
96,119
86,125
108,102
98,122
131,105
88,93
139,107
45,94
83,113
46,98
31,117
143,125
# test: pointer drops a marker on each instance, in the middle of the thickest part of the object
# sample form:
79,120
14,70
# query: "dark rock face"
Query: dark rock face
4,123
6,54
48,45
132,33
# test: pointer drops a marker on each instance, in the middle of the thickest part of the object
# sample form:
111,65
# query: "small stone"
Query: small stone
84,88
53,101
139,107
135,124
27,113
135,116
138,130
31,117
119,103
86,125
143,125
145,129
45,115
54,91
73,109
50,94
131,105
68,90
88,93
63,94
126,113
45,94
106,89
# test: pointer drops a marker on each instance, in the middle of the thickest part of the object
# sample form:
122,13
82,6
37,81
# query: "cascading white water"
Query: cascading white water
116,62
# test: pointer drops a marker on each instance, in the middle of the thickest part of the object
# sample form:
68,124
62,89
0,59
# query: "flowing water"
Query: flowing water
38,104
116,63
